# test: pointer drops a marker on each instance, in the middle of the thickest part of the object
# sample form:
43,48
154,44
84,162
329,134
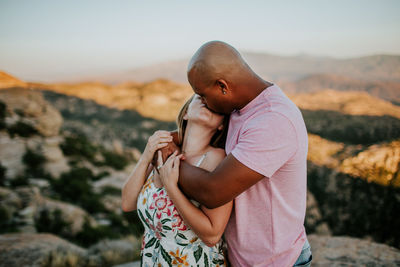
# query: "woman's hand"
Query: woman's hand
157,141
169,172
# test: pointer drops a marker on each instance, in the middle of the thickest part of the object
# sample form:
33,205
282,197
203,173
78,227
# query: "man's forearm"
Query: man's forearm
194,182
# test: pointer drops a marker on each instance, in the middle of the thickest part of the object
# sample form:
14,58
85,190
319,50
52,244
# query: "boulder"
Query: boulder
347,251
113,252
32,109
11,152
39,250
56,163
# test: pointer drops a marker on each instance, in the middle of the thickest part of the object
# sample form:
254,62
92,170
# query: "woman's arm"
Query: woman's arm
135,181
208,224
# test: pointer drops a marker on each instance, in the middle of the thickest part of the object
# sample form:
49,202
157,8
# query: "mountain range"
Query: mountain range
275,68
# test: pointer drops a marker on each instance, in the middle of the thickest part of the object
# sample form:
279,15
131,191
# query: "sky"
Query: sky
49,40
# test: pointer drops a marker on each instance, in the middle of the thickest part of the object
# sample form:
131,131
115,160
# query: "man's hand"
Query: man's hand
167,150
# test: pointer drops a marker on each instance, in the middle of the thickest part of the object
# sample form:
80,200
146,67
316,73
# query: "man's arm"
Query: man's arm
216,188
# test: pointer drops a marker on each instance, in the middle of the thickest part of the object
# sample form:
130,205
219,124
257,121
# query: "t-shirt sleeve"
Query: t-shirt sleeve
266,143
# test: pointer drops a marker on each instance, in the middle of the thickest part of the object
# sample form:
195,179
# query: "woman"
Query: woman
178,231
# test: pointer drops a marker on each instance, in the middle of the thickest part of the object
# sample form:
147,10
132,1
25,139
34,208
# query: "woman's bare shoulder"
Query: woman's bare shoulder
213,158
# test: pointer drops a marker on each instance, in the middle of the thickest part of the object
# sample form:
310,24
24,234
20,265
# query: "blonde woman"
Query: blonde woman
180,232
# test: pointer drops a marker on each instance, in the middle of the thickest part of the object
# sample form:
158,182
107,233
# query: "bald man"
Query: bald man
265,168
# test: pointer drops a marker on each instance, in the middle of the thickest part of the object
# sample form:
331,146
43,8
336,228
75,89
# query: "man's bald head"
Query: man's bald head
218,73
215,60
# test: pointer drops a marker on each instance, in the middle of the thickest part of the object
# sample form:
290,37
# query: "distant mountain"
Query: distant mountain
346,102
7,80
387,90
277,68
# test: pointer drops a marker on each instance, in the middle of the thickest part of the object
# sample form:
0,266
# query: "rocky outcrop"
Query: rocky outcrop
26,204
378,163
56,163
11,152
30,124
114,252
39,250
346,251
29,107
48,250
322,151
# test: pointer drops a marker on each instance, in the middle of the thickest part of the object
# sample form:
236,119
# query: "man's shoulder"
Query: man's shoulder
268,118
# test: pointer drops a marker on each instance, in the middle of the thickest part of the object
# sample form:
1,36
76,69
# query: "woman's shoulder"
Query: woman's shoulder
214,157
216,153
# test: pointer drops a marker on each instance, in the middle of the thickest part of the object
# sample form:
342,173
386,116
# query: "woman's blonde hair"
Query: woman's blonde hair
217,140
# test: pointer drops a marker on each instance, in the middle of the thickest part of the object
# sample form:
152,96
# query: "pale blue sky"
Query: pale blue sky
44,40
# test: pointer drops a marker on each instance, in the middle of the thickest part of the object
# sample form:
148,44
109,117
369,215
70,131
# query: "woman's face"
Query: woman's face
198,112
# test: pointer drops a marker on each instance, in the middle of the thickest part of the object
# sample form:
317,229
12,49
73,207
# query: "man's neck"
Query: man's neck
252,90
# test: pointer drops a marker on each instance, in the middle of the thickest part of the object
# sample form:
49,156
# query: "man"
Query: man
265,168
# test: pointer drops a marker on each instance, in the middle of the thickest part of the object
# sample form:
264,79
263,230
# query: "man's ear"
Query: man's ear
222,86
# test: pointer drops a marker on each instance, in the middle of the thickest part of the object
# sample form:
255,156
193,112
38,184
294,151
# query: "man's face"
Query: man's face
211,96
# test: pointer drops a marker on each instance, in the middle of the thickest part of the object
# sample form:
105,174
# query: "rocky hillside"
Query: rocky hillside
160,99
58,181
64,158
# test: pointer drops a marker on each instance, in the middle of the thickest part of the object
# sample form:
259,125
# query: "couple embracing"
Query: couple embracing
233,191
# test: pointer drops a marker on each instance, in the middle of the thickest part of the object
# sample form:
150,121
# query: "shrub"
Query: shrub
120,226
3,109
52,222
20,180
74,186
100,175
114,160
352,129
135,225
110,190
79,145
91,235
2,115
22,129
7,223
34,165
33,160
2,175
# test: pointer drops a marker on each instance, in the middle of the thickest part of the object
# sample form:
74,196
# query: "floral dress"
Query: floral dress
167,241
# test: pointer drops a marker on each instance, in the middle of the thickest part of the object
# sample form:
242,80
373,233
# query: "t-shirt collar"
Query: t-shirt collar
253,102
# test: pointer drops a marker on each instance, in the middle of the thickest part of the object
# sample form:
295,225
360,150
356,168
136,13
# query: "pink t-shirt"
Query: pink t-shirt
269,136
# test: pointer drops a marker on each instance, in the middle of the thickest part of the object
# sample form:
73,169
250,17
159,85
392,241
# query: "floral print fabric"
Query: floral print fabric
167,241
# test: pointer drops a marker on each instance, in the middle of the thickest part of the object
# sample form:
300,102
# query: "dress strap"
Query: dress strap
201,159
